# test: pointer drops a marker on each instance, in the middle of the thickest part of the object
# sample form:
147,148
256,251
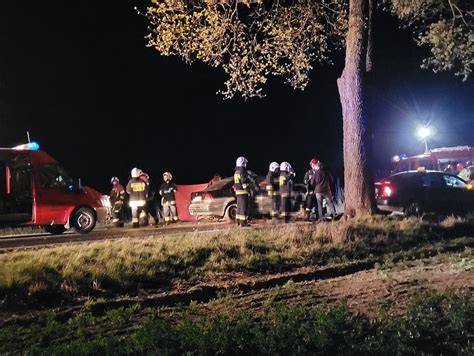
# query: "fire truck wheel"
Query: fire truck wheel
83,220
55,229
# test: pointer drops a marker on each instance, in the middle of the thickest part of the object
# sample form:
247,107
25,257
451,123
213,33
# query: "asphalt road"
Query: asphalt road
28,241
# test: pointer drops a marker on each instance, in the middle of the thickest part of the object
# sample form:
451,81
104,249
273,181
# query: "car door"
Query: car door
461,199
434,189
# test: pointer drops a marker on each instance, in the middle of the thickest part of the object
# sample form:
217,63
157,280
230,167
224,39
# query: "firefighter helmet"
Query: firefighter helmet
313,162
145,175
286,167
274,166
168,174
241,162
136,172
459,167
114,180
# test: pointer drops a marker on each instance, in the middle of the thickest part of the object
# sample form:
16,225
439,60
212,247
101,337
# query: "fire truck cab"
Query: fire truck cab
36,190
437,159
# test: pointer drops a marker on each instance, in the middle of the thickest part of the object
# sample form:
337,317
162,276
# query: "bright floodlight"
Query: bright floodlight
424,132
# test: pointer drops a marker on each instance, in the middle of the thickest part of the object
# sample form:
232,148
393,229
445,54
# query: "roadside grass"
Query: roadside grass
434,324
45,276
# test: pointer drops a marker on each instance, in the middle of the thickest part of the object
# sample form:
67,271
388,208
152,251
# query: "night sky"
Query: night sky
78,76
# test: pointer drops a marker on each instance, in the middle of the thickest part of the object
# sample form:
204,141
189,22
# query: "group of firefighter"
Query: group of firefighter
141,196
279,188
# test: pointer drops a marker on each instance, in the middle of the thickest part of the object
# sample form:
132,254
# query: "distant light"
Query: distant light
424,132
32,146
396,158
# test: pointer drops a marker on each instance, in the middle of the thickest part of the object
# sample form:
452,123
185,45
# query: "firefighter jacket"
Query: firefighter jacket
321,182
167,191
138,190
308,180
241,181
117,194
273,183
286,183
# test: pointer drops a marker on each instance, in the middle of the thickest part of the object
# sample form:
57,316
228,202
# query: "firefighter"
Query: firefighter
117,199
310,198
150,206
242,188
138,191
286,182
168,200
273,188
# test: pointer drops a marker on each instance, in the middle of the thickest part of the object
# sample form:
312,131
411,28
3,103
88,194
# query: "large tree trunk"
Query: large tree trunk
359,189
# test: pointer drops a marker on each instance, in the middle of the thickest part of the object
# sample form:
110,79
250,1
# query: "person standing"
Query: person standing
168,192
138,191
310,198
117,199
273,188
151,208
241,187
322,189
286,183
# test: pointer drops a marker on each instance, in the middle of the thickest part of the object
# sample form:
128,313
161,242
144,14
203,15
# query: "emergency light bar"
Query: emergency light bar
32,146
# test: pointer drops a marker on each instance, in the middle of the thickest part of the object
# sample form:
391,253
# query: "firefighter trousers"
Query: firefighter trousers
285,207
242,208
117,213
169,212
138,213
275,205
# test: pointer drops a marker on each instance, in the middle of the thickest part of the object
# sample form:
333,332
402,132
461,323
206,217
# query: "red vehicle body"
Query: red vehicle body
35,190
437,159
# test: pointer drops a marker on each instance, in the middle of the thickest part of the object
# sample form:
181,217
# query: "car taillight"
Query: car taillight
387,191
207,197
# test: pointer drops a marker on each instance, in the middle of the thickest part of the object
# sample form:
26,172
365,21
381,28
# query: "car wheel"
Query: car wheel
55,229
413,209
83,220
230,212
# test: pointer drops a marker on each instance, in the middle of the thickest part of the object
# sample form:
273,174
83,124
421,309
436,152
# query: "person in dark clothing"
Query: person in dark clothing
322,189
241,188
273,188
138,191
117,199
151,207
286,185
168,200
310,200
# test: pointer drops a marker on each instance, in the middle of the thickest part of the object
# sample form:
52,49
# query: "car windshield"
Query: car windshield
454,182
219,185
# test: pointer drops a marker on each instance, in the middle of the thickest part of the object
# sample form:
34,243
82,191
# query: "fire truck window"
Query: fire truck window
426,163
53,176
454,182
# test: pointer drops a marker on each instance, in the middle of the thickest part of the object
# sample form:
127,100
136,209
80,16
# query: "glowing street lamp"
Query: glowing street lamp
424,132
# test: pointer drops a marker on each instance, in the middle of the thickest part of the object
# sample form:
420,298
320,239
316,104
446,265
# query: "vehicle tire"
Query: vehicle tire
413,208
83,220
230,212
55,229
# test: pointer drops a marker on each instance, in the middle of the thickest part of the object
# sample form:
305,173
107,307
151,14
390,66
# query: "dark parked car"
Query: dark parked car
417,192
218,200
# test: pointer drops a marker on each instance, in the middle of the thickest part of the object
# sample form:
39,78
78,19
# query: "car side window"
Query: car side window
454,182
431,181
53,176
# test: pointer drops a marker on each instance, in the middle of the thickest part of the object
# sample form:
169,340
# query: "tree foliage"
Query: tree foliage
252,40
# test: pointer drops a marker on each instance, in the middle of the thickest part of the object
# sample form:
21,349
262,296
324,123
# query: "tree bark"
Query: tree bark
359,189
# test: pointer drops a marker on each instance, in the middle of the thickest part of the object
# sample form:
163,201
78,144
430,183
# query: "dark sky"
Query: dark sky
78,76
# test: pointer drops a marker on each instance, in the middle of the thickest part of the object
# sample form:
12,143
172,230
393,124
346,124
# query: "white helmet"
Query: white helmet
274,166
136,172
241,162
286,167
170,176
114,179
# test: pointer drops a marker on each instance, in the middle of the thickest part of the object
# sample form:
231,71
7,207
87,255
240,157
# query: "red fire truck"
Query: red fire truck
36,190
437,159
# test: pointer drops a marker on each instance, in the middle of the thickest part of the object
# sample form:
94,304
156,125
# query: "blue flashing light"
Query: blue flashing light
403,155
32,146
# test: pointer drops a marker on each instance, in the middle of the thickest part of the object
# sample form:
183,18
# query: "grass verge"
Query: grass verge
129,265
433,324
